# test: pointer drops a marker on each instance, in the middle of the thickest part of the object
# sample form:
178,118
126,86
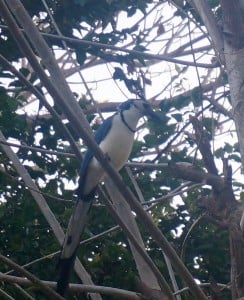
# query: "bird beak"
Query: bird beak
152,115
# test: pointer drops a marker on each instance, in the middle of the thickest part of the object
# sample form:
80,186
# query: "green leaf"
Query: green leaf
150,140
177,117
81,57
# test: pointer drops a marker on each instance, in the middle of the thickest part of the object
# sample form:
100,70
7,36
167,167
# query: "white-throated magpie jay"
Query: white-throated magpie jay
115,138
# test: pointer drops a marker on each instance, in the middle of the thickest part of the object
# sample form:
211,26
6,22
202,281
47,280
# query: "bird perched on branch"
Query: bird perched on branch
115,138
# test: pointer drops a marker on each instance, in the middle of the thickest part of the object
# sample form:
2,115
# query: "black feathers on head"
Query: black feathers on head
127,104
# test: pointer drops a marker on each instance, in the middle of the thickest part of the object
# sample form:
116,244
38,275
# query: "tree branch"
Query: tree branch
38,149
138,245
71,108
43,100
77,288
204,146
149,56
41,202
209,21
185,171
31,277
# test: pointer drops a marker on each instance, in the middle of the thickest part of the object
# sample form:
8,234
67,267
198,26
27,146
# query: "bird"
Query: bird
115,138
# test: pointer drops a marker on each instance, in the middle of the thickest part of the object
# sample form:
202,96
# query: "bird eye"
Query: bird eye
126,105
146,105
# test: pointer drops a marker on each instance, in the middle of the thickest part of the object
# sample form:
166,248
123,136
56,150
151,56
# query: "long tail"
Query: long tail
71,242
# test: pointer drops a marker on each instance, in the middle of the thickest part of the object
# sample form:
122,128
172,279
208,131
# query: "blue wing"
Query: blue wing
99,136
78,219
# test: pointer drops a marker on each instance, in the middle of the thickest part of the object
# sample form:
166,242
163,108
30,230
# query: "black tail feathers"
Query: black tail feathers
64,267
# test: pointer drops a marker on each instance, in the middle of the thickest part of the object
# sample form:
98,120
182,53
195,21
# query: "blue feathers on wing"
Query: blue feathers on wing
100,134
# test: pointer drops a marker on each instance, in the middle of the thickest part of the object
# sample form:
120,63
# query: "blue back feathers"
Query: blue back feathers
100,134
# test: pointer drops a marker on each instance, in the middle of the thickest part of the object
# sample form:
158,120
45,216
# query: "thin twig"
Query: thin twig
172,276
182,254
135,184
23,292
159,57
5,295
38,149
51,255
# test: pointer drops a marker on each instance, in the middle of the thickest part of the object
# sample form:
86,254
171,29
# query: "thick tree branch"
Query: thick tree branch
209,21
76,288
42,99
152,277
185,171
41,202
204,146
58,95
234,56
233,23
138,246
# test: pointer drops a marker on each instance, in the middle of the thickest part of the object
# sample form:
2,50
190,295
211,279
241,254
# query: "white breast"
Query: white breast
117,145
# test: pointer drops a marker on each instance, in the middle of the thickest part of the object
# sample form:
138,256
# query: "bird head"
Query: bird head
141,107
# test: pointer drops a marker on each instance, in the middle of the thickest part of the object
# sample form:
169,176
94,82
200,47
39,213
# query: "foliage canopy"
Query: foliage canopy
116,50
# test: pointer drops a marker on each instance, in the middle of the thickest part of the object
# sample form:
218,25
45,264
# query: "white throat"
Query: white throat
131,117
